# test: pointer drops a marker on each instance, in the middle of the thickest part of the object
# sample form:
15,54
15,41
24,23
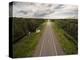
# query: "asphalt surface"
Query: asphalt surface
48,44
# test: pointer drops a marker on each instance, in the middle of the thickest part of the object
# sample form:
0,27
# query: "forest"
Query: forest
24,26
70,26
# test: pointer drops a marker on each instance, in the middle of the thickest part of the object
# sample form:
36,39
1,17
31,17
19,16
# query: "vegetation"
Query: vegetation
26,46
70,26
23,27
67,31
24,36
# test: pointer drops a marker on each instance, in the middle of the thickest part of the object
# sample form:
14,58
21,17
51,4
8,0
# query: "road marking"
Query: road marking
54,45
48,41
42,46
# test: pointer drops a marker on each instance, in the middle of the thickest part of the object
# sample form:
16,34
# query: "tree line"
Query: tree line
70,26
24,26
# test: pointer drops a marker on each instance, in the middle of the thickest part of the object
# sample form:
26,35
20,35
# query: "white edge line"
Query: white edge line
54,46
41,48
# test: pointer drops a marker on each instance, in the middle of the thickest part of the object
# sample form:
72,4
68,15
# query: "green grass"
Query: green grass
69,47
26,46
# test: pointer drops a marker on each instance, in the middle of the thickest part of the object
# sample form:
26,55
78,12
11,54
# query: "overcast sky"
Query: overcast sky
44,10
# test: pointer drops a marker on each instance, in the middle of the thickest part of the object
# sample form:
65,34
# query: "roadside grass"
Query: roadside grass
67,42
26,46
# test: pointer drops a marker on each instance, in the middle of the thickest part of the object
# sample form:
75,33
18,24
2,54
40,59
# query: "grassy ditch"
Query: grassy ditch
26,46
67,42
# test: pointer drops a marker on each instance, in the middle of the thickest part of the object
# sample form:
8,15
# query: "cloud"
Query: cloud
43,10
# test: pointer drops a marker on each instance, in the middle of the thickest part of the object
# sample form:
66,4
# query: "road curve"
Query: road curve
48,44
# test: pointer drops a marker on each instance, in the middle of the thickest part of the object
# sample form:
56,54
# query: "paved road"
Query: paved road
48,44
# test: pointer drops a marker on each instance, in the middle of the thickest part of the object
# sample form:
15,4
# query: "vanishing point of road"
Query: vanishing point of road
48,44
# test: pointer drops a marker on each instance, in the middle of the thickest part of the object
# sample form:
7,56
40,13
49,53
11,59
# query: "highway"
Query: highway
48,43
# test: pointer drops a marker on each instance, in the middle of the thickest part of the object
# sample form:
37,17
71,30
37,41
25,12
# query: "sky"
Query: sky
44,10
